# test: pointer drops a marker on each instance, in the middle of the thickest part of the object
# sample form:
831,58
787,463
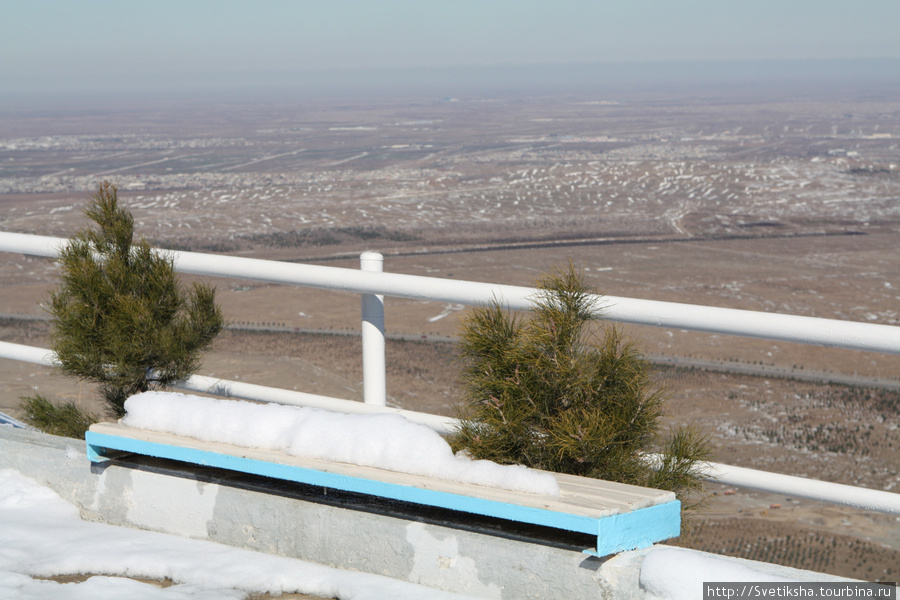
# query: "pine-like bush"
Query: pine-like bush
120,316
549,391
67,419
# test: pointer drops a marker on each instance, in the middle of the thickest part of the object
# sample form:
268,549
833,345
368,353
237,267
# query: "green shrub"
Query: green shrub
120,316
67,419
548,392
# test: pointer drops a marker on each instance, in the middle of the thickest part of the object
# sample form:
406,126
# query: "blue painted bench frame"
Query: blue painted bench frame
616,531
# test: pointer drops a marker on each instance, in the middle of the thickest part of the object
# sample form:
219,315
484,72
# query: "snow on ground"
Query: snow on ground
41,536
676,574
385,441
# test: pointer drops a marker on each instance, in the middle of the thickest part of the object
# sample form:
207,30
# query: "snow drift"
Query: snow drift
385,441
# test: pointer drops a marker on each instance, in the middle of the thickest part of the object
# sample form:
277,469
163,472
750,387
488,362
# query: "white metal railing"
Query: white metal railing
373,284
728,321
249,391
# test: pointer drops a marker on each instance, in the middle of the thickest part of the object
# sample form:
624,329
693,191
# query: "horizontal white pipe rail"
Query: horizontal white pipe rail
813,489
30,354
249,391
789,485
727,321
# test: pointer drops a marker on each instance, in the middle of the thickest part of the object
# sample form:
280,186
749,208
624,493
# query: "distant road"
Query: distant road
658,359
566,242
261,159
773,371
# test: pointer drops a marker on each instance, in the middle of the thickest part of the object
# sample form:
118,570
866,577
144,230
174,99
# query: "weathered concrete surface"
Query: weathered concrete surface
281,519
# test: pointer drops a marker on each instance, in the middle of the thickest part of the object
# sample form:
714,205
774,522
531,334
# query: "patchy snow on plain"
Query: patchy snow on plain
384,441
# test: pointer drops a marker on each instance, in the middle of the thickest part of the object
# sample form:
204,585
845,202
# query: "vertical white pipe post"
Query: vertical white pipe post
374,386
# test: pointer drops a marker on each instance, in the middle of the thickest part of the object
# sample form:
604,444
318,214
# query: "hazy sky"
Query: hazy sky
67,44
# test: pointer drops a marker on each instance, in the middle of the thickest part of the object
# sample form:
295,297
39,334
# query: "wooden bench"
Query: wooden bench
622,517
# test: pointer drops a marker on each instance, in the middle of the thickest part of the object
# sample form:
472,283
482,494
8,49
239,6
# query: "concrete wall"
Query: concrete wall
309,524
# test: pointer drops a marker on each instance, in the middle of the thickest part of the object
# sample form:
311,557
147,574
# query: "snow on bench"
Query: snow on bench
162,425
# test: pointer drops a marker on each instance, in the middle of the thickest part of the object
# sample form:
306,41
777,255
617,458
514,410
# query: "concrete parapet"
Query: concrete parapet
441,549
